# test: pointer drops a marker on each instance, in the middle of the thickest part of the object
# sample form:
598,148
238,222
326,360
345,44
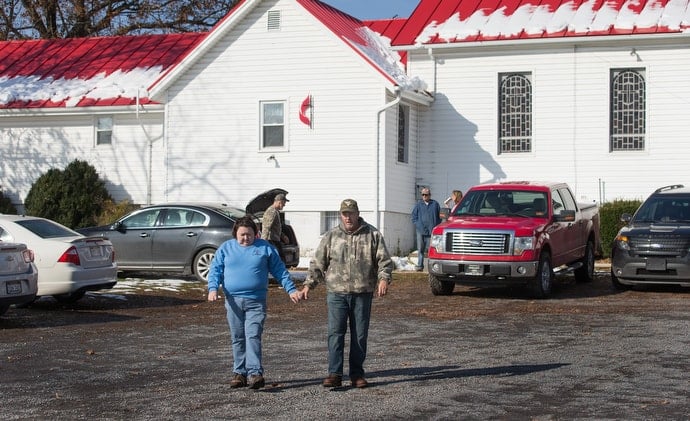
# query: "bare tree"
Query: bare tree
28,19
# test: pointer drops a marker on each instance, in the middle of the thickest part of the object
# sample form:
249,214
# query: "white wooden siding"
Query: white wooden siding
570,119
32,145
213,121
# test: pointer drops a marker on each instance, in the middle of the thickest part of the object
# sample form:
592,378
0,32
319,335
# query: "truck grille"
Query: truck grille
659,246
478,242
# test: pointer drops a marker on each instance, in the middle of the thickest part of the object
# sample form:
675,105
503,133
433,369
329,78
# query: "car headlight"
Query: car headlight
522,244
622,242
436,242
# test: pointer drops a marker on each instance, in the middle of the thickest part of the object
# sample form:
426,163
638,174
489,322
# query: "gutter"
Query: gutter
398,95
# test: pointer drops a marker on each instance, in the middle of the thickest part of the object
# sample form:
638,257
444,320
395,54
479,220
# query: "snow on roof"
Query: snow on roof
80,72
371,45
449,21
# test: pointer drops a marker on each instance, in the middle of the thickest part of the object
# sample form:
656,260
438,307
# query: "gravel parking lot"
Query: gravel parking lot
156,349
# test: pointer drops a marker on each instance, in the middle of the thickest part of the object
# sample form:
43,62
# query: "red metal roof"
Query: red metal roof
448,21
50,73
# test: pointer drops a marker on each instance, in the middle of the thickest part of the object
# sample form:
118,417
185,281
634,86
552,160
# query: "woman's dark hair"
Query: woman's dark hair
245,221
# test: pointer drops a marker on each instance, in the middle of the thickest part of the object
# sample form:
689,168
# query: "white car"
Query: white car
18,275
69,264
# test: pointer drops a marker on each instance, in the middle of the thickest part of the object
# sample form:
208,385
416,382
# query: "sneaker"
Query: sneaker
238,380
333,380
256,381
359,382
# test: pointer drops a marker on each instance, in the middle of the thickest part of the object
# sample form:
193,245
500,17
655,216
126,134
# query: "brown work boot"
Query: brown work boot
333,380
256,381
238,380
359,382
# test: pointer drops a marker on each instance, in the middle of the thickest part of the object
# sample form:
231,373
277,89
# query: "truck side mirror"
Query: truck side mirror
566,215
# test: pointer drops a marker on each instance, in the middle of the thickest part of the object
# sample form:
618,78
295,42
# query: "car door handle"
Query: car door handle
143,235
191,234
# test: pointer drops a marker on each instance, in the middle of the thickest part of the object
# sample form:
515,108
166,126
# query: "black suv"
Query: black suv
653,248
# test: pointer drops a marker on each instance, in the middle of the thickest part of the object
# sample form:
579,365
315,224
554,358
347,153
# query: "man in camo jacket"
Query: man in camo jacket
353,261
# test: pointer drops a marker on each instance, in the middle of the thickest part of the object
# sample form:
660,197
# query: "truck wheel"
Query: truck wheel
585,273
617,284
202,263
440,287
542,282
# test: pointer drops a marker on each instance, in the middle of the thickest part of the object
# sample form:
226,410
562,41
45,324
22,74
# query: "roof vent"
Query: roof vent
273,20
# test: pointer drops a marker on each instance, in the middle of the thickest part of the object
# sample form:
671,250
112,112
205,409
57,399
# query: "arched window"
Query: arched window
515,113
628,115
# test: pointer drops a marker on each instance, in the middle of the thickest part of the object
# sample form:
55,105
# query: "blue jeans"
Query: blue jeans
355,308
422,247
246,318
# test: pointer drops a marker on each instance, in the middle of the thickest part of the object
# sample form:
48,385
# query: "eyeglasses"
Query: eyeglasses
426,194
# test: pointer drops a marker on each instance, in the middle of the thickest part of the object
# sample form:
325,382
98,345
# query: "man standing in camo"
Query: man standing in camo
353,261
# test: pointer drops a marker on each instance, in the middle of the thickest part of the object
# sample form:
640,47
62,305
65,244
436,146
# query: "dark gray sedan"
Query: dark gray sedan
177,237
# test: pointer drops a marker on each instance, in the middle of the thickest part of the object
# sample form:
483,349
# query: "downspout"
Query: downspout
398,93
430,52
149,174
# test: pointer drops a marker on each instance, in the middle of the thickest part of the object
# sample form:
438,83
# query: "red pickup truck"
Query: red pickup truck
514,233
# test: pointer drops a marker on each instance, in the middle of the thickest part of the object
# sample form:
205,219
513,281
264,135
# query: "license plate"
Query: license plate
95,251
474,270
14,288
656,264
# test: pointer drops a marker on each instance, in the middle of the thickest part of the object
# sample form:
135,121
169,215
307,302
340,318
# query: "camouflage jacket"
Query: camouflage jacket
271,227
350,262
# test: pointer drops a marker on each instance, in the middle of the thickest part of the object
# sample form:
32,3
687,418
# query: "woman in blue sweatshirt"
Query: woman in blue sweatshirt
241,266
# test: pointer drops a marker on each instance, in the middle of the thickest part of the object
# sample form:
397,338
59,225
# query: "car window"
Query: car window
47,229
173,218
143,219
193,218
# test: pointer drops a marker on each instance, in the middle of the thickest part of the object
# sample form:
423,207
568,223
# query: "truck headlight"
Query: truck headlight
522,244
622,241
436,242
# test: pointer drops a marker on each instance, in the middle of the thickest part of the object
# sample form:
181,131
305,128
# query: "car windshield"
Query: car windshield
664,209
47,229
503,203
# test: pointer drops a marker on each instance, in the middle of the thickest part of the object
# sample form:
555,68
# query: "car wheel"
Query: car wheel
585,273
202,263
70,298
543,281
3,309
440,287
617,284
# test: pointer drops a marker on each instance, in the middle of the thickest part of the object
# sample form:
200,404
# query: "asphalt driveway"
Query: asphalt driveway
156,349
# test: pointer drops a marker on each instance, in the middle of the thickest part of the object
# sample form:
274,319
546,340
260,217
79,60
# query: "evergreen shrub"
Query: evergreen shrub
610,214
6,205
73,197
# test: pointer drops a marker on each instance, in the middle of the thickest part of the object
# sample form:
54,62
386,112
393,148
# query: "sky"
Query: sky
375,9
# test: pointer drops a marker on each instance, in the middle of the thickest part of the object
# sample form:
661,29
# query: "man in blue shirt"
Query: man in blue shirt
425,216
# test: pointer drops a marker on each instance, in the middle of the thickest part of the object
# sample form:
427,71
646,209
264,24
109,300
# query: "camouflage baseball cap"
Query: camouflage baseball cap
281,196
349,205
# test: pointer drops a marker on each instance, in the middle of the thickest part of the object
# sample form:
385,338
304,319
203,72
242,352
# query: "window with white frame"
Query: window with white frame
628,110
403,132
104,131
272,124
329,220
515,113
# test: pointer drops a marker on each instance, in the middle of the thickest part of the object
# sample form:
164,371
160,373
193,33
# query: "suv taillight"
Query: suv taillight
70,256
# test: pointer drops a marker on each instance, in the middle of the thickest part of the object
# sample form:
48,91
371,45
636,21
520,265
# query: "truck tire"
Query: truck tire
541,284
440,287
585,273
